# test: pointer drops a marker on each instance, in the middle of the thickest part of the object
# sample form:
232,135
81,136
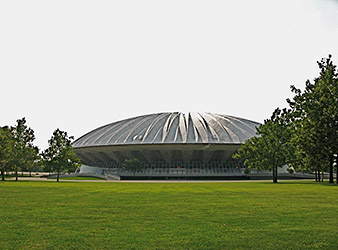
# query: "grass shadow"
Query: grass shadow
307,182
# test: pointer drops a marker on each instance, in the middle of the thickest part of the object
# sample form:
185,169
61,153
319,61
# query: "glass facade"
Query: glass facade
178,168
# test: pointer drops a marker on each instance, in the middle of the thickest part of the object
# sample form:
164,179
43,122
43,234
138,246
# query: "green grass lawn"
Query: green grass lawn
69,215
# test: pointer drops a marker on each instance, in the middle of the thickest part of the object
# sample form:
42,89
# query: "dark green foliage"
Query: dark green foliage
247,171
132,165
24,152
304,136
6,150
315,119
290,170
59,156
269,150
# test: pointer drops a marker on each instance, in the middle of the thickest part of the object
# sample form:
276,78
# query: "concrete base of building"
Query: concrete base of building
169,174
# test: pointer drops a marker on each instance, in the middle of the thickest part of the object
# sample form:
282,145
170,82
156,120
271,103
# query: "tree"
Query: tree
315,115
270,149
6,150
307,155
34,160
24,151
132,165
60,156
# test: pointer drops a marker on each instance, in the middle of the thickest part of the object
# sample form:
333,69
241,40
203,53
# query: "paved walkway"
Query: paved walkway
151,181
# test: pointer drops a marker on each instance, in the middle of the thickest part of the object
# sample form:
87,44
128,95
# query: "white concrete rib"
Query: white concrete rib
171,128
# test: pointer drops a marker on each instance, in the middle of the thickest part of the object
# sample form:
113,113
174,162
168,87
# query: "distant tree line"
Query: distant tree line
304,135
18,153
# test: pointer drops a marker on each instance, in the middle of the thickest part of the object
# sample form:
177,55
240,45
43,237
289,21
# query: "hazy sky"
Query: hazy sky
77,65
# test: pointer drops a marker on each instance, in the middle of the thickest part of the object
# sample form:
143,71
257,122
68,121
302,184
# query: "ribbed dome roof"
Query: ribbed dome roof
171,128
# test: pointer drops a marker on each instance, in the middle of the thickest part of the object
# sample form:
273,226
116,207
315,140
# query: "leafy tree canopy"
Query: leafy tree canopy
6,150
59,156
269,150
24,152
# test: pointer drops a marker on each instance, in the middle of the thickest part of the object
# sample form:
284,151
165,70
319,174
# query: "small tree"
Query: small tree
132,165
34,160
60,156
270,149
24,151
6,150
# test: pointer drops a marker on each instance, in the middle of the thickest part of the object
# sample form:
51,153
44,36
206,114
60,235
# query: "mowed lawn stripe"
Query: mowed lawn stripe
259,215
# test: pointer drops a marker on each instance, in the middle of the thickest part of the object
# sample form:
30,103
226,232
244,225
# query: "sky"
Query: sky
78,65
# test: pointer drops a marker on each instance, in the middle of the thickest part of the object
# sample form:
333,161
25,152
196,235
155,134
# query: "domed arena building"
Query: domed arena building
167,146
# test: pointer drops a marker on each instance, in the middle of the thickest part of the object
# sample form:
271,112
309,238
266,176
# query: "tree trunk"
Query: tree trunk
30,173
322,176
318,173
58,176
337,173
331,169
316,178
16,174
336,168
2,174
274,173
